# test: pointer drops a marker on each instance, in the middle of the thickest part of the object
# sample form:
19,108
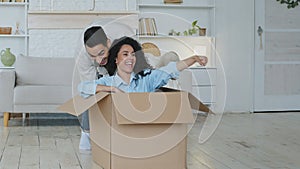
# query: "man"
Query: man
90,67
92,56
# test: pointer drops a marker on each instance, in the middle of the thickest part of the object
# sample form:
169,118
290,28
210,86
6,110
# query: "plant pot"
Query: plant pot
202,32
7,58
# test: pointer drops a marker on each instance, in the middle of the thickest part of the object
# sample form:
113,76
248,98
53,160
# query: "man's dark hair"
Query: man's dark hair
141,62
94,36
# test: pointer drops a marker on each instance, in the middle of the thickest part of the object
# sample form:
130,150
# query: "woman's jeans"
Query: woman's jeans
84,121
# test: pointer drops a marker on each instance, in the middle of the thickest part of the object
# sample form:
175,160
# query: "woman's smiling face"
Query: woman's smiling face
126,59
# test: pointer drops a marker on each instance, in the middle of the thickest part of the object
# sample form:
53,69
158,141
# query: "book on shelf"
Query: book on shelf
147,26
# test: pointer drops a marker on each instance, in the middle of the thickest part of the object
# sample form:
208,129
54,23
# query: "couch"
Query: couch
35,85
40,85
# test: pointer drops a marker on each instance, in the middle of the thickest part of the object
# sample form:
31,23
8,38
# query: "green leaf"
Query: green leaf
194,31
194,23
289,3
185,33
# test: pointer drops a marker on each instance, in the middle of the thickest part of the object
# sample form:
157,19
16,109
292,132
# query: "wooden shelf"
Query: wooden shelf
13,36
175,37
169,36
7,67
201,67
175,6
13,3
83,12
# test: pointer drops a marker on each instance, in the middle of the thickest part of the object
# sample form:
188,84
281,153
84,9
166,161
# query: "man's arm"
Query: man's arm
85,66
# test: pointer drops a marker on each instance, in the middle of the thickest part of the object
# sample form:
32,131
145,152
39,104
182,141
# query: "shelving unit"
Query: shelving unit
14,12
204,84
179,18
184,46
204,78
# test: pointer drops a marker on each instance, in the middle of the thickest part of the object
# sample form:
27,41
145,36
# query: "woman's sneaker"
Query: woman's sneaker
85,145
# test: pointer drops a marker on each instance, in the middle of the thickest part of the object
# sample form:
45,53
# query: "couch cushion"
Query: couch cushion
46,95
44,71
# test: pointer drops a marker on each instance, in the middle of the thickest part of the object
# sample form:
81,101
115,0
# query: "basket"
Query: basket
149,47
5,30
172,1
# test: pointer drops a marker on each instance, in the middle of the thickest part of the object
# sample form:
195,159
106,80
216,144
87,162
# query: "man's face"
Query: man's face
98,53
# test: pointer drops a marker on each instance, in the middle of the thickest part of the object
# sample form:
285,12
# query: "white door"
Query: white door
277,57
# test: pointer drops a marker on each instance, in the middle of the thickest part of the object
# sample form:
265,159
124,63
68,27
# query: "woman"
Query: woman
122,57
92,55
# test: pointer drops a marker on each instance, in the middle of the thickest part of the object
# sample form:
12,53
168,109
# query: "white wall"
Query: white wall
100,5
54,42
235,38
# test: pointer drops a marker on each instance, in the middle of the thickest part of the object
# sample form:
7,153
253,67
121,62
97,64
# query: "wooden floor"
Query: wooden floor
257,141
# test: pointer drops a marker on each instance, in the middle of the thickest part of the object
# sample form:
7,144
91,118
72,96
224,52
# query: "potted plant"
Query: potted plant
174,33
290,3
195,29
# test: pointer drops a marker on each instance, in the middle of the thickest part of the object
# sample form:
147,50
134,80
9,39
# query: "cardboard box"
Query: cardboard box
138,130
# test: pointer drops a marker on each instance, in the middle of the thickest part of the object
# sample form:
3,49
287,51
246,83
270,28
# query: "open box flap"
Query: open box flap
198,105
195,103
78,104
152,108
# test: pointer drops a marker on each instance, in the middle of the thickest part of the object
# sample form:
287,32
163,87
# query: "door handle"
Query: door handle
260,32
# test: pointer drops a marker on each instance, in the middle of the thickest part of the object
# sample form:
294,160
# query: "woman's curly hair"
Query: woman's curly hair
141,62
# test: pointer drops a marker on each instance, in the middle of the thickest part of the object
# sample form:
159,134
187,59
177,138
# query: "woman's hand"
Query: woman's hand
102,88
202,60
116,90
183,64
